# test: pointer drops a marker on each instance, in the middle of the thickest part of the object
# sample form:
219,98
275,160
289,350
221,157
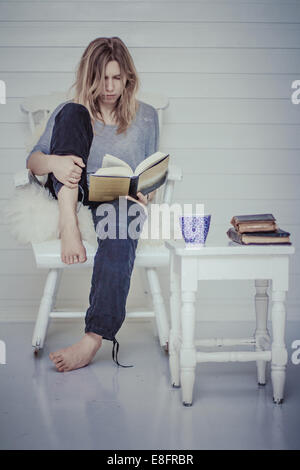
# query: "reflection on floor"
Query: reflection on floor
104,406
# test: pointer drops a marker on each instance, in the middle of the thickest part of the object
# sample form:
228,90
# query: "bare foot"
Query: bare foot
72,248
78,355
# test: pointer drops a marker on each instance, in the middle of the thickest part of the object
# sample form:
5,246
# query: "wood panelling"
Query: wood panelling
227,68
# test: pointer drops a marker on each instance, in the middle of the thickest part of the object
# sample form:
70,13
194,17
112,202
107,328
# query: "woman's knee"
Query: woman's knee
74,109
74,116
72,132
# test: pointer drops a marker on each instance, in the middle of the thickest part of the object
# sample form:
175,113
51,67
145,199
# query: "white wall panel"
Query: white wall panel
202,161
227,67
202,110
160,59
237,161
139,11
12,159
174,85
195,34
279,2
222,208
13,135
187,136
229,111
230,136
229,186
13,288
248,186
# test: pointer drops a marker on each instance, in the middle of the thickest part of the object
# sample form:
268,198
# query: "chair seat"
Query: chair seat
47,256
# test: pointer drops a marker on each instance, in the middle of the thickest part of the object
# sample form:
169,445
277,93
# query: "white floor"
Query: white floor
104,406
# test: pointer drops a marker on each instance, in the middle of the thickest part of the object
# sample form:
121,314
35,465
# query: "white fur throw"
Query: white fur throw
33,214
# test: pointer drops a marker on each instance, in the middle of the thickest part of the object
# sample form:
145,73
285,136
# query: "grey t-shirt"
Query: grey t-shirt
139,142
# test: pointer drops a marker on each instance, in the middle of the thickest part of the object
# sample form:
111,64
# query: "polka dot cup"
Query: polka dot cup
194,228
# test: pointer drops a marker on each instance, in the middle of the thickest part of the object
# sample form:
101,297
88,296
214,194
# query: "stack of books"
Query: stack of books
257,229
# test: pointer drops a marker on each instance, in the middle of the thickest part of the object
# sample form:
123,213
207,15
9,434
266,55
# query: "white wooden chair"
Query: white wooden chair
47,254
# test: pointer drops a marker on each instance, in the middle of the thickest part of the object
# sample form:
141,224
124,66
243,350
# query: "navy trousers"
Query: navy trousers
114,260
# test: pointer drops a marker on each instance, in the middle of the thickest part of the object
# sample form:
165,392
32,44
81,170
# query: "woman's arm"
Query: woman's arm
66,168
40,163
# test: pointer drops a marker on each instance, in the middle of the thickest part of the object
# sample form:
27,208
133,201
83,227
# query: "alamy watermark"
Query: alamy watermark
2,92
159,222
296,354
2,352
296,94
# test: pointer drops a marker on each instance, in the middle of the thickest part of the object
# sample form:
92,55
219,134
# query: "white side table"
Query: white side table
228,262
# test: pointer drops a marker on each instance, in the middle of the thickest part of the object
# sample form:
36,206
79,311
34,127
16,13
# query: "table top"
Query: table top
229,248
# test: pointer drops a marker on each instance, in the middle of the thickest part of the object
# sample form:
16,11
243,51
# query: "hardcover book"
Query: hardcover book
254,222
116,178
278,236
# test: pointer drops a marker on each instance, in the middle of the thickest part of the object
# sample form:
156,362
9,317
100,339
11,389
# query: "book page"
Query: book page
263,240
149,161
110,160
153,175
112,171
107,189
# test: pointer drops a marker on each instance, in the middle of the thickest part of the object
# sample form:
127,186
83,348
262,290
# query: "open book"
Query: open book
115,178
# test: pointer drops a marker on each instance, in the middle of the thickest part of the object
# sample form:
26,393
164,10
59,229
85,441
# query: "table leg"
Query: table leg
261,334
279,352
175,336
188,351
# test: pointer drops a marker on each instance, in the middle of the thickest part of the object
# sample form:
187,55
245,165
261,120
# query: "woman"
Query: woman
104,117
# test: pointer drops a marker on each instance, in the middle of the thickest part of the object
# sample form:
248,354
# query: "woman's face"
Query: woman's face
113,83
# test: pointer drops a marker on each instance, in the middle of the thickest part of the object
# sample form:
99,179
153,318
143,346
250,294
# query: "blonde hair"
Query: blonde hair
90,80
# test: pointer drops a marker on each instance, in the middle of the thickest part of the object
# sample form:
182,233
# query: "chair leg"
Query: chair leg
46,305
161,317
57,284
262,336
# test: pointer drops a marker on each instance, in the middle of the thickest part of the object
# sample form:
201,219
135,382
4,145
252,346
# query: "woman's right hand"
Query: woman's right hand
67,169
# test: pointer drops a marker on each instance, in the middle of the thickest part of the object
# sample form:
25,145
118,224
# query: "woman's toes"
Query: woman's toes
53,356
60,365
56,358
